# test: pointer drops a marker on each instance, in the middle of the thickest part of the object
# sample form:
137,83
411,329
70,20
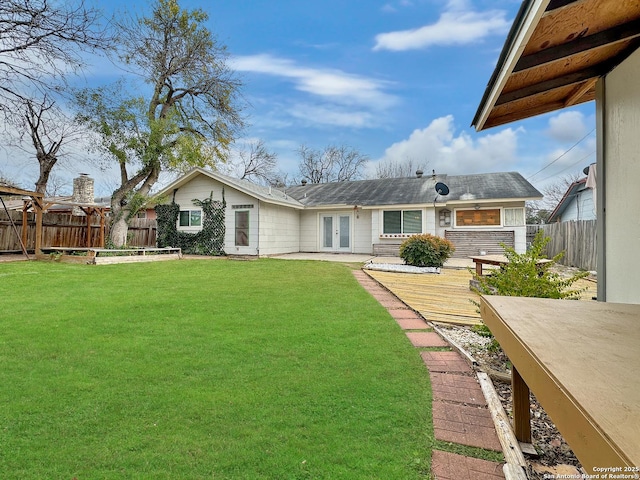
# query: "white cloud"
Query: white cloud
457,25
339,86
441,149
333,115
567,126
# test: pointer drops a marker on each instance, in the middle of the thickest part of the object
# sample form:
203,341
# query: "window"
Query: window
190,218
402,221
514,217
242,229
477,218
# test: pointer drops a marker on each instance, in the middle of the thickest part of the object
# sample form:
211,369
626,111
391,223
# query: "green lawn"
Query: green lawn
193,369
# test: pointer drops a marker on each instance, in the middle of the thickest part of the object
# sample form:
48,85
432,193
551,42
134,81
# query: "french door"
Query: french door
335,232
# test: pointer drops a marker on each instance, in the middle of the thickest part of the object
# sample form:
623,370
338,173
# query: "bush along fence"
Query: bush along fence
208,241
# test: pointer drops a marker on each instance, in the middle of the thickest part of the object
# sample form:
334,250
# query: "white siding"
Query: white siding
621,152
279,229
362,232
201,187
309,231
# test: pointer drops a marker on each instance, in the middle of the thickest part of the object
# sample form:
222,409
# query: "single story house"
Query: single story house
367,216
578,203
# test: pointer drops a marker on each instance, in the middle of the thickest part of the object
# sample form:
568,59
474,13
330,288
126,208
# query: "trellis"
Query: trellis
208,241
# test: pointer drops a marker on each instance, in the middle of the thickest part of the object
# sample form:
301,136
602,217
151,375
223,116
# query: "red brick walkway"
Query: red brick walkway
460,413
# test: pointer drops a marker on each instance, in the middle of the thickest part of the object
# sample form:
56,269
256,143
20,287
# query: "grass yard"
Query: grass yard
268,369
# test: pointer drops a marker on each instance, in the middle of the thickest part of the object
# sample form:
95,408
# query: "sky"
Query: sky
396,80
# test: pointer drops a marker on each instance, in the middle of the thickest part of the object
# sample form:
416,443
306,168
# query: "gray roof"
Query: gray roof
267,194
406,191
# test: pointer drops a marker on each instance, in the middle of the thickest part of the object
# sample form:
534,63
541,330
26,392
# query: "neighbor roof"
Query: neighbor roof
554,54
412,191
569,195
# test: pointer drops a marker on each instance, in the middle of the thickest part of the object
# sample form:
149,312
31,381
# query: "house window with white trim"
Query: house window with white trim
242,228
514,217
402,221
190,218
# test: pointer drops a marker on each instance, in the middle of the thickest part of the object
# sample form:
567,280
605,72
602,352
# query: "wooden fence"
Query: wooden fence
577,239
66,230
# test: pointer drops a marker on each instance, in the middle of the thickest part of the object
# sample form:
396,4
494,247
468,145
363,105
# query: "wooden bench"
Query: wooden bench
581,361
497,260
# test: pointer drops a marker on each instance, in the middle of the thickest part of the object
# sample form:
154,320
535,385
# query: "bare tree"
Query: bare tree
393,168
333,164
254,163
49,131
41,42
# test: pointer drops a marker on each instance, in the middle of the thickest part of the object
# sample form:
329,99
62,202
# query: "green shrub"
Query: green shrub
524,276
426,250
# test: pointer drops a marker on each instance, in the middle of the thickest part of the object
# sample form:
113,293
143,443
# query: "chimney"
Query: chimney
82,192
304,182
419,173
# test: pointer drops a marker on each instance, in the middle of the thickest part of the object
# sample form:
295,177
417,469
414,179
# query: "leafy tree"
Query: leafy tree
188,118
333,164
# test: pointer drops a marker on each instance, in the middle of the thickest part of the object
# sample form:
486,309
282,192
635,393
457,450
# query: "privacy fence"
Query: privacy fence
66,230
577,239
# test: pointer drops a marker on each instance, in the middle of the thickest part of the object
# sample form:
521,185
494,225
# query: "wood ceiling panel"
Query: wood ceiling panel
584,17
563,66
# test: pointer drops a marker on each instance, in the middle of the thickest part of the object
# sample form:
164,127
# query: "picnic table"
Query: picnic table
498,260
581,360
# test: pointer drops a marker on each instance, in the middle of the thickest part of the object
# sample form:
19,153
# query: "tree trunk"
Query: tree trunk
119,230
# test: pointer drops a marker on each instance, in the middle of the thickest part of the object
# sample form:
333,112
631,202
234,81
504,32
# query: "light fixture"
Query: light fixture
476,206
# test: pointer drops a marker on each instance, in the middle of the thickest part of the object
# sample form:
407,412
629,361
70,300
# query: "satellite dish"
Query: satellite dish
442,189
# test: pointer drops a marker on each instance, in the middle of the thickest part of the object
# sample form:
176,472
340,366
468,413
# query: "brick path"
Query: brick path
460,413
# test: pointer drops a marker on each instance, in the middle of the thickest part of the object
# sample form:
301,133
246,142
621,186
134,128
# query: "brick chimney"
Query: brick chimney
82,191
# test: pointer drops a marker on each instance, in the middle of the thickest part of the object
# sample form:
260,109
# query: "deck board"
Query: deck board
445,297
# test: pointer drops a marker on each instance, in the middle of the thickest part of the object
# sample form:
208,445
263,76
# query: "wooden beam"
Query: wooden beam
521,407
510,446
555,4
552,84
583,89
518,114
613,35
37,207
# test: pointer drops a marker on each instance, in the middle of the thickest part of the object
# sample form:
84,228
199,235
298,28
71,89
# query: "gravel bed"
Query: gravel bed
400,268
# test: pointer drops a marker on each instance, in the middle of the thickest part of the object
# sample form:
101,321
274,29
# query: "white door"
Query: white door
335,233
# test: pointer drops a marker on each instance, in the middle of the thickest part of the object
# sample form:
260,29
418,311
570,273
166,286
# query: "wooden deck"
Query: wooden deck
445,297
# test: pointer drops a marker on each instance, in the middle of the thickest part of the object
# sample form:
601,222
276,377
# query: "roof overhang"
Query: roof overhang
554,54
186,178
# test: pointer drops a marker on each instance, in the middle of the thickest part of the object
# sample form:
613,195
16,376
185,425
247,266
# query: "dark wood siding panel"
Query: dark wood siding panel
469,243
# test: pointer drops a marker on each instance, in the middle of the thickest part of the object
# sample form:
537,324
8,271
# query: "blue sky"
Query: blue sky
393,79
